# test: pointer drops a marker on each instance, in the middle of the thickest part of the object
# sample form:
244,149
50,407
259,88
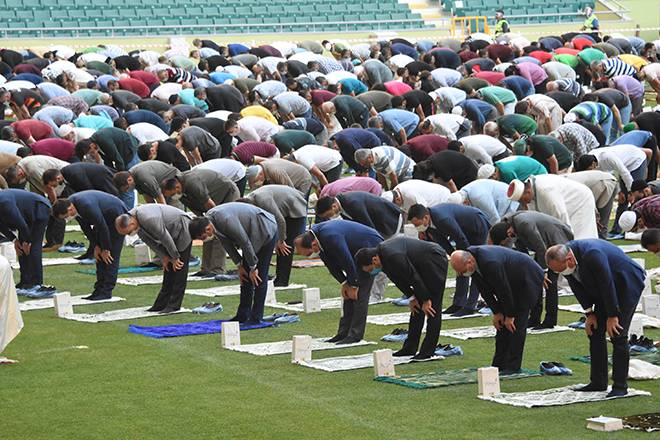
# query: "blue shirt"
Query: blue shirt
638,138
478,111
352,85
519,85
395,119
400,48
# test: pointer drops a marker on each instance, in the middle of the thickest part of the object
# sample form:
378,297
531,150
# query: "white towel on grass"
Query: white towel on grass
404,318
154,279
118,315
11,322
52,262
489,332
345,363
235,290
647,321
629,248
326,304
642,370
48,303
556,396
283,347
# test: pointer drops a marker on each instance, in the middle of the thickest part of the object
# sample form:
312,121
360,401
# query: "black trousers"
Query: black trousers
334,174
354,313
106,274
509,346
435,281
251,304
620,350
31,266
174,284
551,304
294,227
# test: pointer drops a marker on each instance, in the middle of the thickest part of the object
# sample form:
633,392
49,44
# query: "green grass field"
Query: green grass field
126,386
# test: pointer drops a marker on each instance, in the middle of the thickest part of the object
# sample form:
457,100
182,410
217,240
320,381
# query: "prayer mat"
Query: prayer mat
652,358
119,315
642,370
189,329
122,270
47,303
643,422
576,308
7,361
489,332
155,279
404,318
647,321
629,248
303,264
557,396
235,290
449,284
345,363
326,304
52,262
283,347
443,378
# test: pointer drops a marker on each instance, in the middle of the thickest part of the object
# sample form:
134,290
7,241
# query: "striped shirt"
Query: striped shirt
615,67
576,138
594,112
569,85
390,160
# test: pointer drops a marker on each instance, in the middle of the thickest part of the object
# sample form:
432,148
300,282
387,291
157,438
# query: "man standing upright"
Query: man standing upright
501,24
608,284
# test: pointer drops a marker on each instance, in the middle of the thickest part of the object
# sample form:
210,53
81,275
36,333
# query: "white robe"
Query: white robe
11,322
567,200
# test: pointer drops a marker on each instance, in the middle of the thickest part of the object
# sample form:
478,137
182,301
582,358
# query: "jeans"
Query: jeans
606,126
251,305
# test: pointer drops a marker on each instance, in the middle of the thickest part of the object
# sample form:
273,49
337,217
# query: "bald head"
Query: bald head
491,129
463,263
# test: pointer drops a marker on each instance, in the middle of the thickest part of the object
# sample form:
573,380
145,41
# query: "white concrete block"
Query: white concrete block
312,300
62,302
231,334
488,381
383,363
142,254
636,327
270,293
651,305
301,348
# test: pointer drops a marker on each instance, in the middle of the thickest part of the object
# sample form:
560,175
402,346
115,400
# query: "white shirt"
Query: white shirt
93,56
81,133
149,57
237,71
421,192
338,75
324,158
9,147
400,60
231,169
145,132
286,48
164,91
621,160
446,124
652,71
219,114
601,184
482,148
254,128
270,63
17,85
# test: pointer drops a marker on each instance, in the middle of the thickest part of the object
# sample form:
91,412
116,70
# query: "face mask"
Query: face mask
375,271
175,197
568,270
422,228
468,273
314,254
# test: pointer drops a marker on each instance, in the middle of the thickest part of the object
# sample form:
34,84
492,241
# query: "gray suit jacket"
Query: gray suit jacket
283,202
245,227
536,232
163,228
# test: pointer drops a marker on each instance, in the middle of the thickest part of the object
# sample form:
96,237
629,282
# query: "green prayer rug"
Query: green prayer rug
444,378
652,358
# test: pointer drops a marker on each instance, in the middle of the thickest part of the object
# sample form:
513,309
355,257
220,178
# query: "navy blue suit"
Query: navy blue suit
610,283
136,116
511,283
465,226
27,213
339,241
370,210
97,212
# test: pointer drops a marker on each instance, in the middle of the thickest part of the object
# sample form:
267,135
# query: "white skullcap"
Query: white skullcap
388,195
64,130
485,171
456,198
458,110
627,221
516,190
570,117
433,95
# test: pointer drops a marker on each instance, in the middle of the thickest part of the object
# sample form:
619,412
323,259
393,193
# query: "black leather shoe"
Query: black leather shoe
617,392
451,309
169,309
402,353
154,309
592,387
336,338
97,297
347,341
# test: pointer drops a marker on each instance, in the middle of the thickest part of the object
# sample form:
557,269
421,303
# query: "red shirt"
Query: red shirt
542,56
146,77
467,55
397,88
32,128
54,147
566,51
424,145
492,77
500,51
581,43
247,150
320,96
134,85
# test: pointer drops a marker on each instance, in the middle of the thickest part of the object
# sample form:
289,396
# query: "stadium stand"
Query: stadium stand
64,18
520,11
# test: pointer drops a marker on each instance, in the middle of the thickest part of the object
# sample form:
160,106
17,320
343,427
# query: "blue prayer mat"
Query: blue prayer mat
189,329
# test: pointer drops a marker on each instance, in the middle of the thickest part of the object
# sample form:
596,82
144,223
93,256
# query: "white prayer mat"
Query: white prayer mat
7,361
628,248
489,332
404,318
52,262
450,284
326,304
283,347
576,308
47,303
235,290
556,396
647,321
642,370
119,315
345,363
154,279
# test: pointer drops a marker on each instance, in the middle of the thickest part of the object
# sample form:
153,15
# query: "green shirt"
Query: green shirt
495,95
568,59
288,140
543,147
590,54
90,96
100,66
510,124
519,167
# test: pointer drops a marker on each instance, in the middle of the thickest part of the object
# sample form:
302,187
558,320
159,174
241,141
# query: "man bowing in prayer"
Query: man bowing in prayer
608,284
511,284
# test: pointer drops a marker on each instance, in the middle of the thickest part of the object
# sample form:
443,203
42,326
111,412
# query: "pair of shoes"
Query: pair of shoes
207,308
617,392
93,297
485,311
287,319
194,261
335,338
51,247
204,274
578,324
402,353
347,341
72,247
642,344
225,277
451,309
403,301
421,357
397,335
592,388
554,369
615,236
464,311
448,350
542,326
87,261
273,317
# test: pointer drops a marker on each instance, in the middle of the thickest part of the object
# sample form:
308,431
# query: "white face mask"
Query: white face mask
422,227
176,196
568,270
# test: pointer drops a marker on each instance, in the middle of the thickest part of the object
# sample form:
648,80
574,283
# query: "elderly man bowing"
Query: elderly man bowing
165,230
608,284
511,284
